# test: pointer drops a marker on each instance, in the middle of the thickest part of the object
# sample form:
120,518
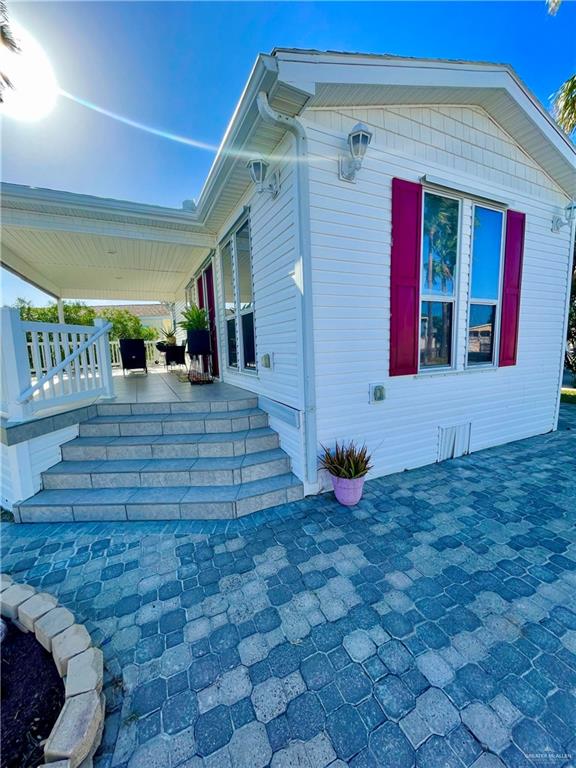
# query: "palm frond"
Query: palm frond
565,105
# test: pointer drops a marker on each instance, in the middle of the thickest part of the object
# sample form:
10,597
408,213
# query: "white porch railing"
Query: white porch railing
50,365
152,353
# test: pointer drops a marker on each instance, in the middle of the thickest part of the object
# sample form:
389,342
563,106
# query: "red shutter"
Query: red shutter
405,277
513,252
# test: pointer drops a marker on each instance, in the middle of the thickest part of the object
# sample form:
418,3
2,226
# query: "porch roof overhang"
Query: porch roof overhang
78,246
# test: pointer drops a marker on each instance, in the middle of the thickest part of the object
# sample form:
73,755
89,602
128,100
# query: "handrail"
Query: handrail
34,325
27,394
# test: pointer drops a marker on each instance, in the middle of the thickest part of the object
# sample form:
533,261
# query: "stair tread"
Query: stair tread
164,465
163,495
185,416
210,437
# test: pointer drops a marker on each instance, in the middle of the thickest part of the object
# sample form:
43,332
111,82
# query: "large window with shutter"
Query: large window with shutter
431,273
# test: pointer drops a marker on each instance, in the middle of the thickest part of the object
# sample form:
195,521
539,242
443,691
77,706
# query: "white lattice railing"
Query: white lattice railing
48,365
152,353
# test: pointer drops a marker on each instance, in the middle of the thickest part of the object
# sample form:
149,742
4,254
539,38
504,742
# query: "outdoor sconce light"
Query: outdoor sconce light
258,170
558,222
358,140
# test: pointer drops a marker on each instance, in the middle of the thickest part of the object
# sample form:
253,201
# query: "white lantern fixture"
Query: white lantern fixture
359,139
569,212
258,169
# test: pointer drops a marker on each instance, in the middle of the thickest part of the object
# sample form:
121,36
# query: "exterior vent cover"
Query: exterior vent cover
453,441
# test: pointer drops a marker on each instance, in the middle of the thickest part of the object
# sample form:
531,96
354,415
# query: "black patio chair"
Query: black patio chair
133,354
175,354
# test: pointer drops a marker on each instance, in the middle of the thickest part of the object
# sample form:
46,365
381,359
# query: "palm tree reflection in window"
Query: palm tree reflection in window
439,255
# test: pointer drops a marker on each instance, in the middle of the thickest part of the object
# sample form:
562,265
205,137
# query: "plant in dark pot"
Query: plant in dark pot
348,467
169,336
195,323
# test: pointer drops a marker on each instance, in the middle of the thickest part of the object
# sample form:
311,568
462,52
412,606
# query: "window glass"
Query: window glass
440,245
229,303
481,333
244,266
436,334
486,246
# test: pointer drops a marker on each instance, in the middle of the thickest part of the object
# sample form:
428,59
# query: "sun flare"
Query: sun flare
34,86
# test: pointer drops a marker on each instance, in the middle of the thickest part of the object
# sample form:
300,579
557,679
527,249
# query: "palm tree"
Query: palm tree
565,97
6,41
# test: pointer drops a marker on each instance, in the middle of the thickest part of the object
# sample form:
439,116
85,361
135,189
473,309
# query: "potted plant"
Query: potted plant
170,336
348,467
195,323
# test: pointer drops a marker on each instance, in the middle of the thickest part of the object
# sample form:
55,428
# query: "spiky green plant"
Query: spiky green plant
195,319
346,460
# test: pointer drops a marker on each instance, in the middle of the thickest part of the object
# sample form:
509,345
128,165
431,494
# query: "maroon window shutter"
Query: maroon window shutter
513,252
405,277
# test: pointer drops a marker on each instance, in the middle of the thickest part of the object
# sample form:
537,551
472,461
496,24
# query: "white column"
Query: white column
14,365
105,360
60,305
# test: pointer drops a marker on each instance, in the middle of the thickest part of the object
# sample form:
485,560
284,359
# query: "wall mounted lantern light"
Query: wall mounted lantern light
569,212
358,140
258,171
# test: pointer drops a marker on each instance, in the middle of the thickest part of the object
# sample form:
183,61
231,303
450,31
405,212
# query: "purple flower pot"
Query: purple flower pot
348,492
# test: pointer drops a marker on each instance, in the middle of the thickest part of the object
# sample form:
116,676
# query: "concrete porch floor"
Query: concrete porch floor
162,386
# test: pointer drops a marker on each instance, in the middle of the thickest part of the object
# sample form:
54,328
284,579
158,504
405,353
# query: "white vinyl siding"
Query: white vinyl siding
23,463
350,231
276,318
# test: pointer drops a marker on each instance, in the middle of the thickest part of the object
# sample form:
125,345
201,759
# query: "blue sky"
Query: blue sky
182,66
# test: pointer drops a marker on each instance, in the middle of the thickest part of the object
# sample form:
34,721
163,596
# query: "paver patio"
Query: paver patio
433,625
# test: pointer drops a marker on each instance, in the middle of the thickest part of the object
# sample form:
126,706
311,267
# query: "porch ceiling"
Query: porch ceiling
86,248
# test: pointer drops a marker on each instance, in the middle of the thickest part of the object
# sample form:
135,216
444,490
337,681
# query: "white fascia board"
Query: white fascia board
263,76
21,194
22,219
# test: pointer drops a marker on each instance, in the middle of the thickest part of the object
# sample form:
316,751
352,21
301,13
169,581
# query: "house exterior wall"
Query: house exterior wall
351,240
276,315
23,463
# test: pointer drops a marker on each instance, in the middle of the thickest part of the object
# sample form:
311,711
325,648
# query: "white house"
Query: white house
396,272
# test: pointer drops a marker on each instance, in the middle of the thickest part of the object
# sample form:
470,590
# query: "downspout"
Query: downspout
571,265
304,261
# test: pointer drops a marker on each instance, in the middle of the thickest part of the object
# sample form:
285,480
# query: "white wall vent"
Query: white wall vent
453,441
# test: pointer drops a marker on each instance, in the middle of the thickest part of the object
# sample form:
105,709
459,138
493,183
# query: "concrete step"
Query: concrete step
204,406
184,446
225,502
204,422
158,473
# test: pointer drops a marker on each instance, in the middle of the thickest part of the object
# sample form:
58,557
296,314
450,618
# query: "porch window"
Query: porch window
484,285
229,303
239,299
440,246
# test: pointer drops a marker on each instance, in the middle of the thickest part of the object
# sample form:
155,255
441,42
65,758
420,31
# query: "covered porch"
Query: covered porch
170,386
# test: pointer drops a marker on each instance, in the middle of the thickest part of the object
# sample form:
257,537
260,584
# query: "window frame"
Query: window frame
453,300
497,303
230,238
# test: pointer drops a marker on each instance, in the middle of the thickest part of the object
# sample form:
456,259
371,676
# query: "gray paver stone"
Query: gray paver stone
434,668
359,645
249,747
269,699
486,726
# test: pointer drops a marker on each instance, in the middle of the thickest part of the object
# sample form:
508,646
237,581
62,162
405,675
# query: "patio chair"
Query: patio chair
133,354
175,354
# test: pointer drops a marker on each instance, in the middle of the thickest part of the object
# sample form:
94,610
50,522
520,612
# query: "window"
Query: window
438,284
239,299
484,285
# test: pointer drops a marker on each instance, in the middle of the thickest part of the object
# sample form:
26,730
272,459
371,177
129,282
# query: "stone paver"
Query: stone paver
432,625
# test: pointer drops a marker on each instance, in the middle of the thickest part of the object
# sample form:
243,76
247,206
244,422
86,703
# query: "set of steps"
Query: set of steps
166,461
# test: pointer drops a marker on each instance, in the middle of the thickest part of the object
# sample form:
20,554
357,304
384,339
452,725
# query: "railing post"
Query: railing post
104,360
14,364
